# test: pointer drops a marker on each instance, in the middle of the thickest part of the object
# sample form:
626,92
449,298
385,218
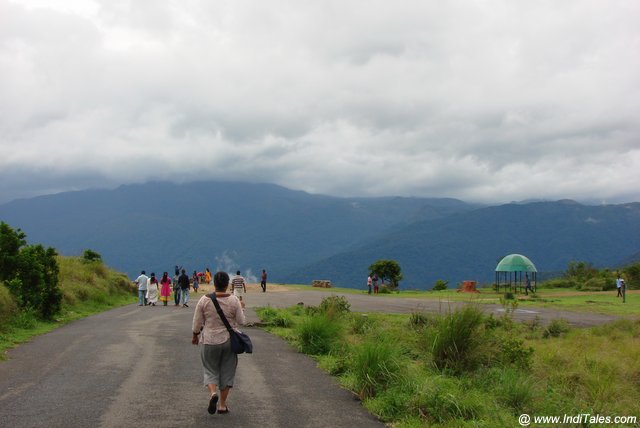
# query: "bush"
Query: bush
440,285
556,328
91,256
559,283
335,306
598,284
318,335
456,339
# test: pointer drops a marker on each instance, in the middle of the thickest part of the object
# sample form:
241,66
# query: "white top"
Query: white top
142,282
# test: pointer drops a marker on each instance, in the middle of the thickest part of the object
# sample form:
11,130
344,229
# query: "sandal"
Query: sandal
213,404
225,410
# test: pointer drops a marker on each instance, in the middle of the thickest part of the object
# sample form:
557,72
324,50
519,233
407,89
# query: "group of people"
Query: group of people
150,289
372,280
218,360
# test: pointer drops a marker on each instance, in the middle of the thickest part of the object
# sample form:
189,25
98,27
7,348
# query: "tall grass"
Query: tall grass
456,339
489,371
374,366
318,335
87,288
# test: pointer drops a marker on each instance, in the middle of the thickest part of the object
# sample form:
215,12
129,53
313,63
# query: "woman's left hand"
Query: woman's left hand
195,339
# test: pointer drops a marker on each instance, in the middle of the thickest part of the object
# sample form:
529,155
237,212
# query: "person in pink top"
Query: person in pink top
218,360
165,288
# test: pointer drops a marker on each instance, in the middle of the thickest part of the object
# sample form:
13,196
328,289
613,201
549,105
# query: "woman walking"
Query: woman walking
218,360
152,290
165,288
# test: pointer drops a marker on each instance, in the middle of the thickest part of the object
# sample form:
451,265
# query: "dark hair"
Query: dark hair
221,281
238,273
142,273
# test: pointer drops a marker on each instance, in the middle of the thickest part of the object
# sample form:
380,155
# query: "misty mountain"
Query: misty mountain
299,237
468,245
220,225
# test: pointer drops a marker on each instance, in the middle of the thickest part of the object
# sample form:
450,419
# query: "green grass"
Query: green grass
603,302
491,370
87,288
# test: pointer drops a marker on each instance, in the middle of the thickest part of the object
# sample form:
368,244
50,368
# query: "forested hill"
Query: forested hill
299,237
222,225
469,245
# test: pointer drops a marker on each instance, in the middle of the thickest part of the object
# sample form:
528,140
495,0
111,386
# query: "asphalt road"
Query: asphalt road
135,366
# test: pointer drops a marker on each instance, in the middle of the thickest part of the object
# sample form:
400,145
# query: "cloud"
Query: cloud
485,101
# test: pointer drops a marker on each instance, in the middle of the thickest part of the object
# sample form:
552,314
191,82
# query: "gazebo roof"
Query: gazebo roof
516,263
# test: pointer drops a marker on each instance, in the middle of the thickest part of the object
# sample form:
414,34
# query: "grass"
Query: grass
603,302
87,288
467,369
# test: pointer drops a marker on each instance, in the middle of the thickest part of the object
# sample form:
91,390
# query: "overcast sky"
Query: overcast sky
486,101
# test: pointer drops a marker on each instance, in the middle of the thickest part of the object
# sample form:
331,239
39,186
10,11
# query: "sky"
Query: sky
485,101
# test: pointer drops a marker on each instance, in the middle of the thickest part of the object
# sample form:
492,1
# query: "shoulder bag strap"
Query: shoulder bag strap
212,296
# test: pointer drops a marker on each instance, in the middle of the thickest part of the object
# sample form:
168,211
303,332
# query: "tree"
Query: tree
30,272
10,243
387,269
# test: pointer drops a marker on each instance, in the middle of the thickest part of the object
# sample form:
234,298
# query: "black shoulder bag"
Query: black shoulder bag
240,342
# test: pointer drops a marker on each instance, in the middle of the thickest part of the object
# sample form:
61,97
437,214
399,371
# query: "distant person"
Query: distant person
207,276
619,285
142,282
176,288
239,286
375,283
184,284
263,280
527,284
218,360
165,288
369,283
196,281
152,290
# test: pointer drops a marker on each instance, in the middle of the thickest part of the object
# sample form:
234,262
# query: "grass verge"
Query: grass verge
87,288
468,369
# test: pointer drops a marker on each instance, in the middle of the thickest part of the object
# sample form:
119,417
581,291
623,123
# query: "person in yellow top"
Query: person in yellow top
207,276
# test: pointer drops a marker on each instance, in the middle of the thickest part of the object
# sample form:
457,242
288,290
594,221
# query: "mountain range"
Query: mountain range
298,237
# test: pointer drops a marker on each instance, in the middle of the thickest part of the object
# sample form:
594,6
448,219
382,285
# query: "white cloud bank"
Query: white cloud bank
481,100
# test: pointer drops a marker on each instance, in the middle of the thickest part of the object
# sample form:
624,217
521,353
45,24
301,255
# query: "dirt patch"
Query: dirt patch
251,288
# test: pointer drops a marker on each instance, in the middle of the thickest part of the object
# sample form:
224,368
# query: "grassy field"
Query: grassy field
465,368
87,288
604,302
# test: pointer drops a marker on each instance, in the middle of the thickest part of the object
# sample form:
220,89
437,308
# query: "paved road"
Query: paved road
135,366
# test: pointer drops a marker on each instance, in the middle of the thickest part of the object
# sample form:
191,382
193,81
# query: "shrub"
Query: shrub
317,335
456,339
513,351
440,285
384,290
559,283
91,256
556,328
334,306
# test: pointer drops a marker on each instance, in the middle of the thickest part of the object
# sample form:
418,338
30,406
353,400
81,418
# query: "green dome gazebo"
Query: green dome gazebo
510,270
